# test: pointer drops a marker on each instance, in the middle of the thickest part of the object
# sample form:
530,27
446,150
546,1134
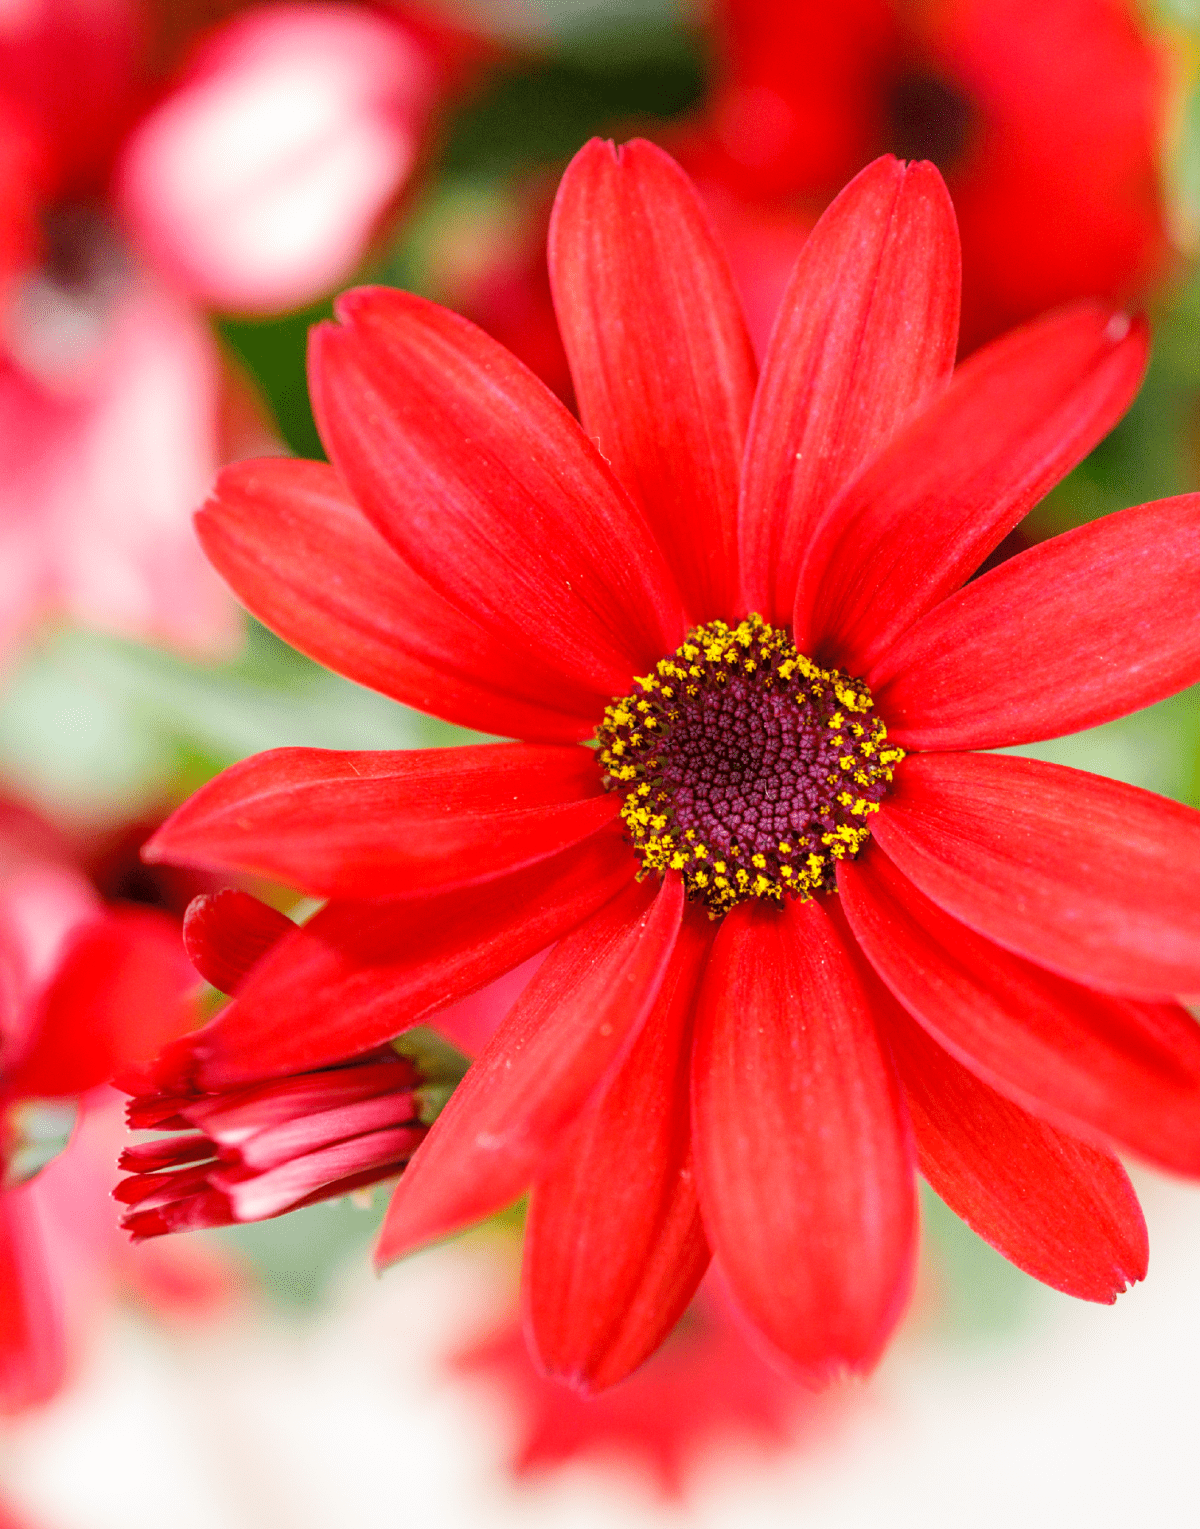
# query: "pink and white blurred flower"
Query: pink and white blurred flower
251,182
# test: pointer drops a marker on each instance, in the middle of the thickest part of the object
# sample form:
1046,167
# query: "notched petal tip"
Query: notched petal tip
226,933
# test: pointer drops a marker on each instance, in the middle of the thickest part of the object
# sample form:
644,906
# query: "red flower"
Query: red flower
707,1386
1045,116
706,1060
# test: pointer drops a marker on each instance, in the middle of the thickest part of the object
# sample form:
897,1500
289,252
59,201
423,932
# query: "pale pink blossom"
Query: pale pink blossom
253,182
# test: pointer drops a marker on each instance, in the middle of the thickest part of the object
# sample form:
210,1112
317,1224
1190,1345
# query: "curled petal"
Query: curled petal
226,933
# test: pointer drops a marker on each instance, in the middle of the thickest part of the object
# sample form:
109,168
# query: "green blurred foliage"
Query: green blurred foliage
296,1257
977,1296
95,729
273,352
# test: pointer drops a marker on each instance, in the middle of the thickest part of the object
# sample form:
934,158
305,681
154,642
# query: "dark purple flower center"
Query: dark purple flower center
928,118
745,766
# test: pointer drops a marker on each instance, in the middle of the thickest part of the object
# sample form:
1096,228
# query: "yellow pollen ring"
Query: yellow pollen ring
756,673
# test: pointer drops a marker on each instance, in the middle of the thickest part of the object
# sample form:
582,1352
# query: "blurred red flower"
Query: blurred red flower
85,989
771,575
250,181
1046,117
704,1389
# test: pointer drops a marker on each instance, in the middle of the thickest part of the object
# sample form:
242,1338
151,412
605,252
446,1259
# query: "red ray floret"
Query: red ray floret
801,964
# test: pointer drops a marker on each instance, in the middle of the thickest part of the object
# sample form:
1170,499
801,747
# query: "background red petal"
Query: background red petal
123,989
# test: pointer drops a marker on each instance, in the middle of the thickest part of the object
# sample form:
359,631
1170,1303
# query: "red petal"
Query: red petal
1093,624
570,1026
320,1175
226,933
357,974
1095,879
928,510
1121,1069
661,361
122,991
1062,1211
403,823
484,483
867,329
614,1248
802,1149
292,543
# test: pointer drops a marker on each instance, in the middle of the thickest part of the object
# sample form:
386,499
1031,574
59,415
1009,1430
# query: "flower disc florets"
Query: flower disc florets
746,766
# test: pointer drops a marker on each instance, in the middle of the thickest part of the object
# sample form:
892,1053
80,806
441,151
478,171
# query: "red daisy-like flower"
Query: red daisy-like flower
719,1055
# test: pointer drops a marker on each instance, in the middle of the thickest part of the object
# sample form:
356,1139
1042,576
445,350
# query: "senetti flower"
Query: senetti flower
806,934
